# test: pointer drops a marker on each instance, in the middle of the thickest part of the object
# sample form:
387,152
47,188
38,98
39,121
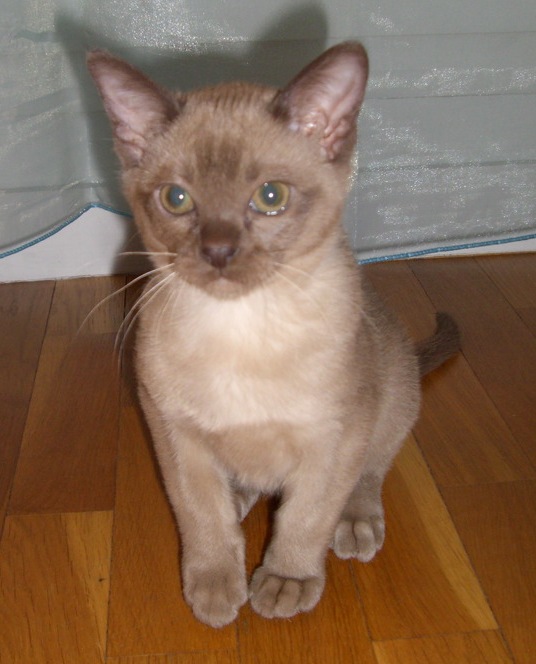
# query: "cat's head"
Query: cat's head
230,182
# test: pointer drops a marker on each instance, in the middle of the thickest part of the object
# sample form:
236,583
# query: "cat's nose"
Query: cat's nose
219,243
218,255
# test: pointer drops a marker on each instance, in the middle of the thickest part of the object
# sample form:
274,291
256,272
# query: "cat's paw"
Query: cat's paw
215,596
359,538
274,596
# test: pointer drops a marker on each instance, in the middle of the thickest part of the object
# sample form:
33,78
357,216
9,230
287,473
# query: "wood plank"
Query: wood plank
24,309
514,275
463,437
147,612
179,658
67,459
493,336
398,287
497,524
421,583
528,316
71,429
54,575
335,631
92,305
421,601
456,408
471,648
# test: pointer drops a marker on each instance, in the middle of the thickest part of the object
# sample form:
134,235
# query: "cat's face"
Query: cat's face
233,192
229,183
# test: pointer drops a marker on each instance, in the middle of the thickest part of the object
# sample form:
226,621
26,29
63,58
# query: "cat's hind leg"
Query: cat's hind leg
360,532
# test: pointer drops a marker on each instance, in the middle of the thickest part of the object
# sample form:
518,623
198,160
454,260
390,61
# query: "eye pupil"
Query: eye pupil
176,196
270,194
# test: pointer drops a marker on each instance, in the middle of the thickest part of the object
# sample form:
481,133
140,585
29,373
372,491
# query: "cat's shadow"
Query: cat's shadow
273,59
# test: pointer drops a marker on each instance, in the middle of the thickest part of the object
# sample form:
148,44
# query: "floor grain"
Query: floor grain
24,311
54,578
89,551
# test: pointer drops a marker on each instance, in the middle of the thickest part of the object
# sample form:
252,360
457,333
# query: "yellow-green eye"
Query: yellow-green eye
175,199
271,198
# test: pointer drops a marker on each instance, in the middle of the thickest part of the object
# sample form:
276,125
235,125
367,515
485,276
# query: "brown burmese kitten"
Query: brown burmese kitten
265,365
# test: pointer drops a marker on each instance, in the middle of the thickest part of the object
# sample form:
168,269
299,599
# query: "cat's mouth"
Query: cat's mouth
223,277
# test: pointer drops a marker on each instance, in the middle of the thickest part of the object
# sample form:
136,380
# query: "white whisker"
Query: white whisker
173,291
137,308
129,316
118,292
295,269
310,277
307,295
132,238
147,253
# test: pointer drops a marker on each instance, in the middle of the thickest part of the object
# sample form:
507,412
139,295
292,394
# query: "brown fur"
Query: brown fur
265,364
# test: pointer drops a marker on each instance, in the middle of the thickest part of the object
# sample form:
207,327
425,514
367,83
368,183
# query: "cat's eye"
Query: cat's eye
175,199
270,198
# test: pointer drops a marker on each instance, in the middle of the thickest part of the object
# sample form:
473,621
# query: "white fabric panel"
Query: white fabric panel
448,147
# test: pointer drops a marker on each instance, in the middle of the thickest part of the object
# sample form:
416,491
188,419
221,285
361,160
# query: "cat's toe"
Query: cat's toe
274,596
215,598
360,539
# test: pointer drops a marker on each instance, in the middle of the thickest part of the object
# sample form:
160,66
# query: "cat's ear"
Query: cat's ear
137,107
324,98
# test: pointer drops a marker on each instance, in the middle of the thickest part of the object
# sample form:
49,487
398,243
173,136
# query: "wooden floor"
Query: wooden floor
88,550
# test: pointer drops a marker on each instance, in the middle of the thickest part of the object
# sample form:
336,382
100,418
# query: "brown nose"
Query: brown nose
219,256
219,243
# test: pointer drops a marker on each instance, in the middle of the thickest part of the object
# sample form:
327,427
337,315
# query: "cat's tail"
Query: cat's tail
445,342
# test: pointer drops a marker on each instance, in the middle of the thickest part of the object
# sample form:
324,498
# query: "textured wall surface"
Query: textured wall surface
447,136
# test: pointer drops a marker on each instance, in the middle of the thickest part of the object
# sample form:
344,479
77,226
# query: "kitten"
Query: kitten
265,364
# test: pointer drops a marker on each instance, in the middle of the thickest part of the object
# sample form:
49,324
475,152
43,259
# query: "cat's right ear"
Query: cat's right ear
137,107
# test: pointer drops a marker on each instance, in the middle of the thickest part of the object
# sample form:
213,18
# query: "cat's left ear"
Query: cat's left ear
137,107
324,99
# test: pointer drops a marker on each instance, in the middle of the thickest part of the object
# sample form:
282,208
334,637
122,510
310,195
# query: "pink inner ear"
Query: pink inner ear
137,107
134,104
343,97
326,97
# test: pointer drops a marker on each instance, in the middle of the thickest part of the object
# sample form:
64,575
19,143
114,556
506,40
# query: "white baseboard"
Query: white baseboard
89,246
92,246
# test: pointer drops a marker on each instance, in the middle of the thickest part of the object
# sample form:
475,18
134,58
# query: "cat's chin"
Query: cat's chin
223,288
231,283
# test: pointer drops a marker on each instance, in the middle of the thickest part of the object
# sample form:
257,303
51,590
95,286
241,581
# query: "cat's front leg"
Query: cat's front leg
212,544
291,578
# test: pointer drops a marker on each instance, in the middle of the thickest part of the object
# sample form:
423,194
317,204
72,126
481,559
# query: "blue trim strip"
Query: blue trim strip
454,247
61,225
